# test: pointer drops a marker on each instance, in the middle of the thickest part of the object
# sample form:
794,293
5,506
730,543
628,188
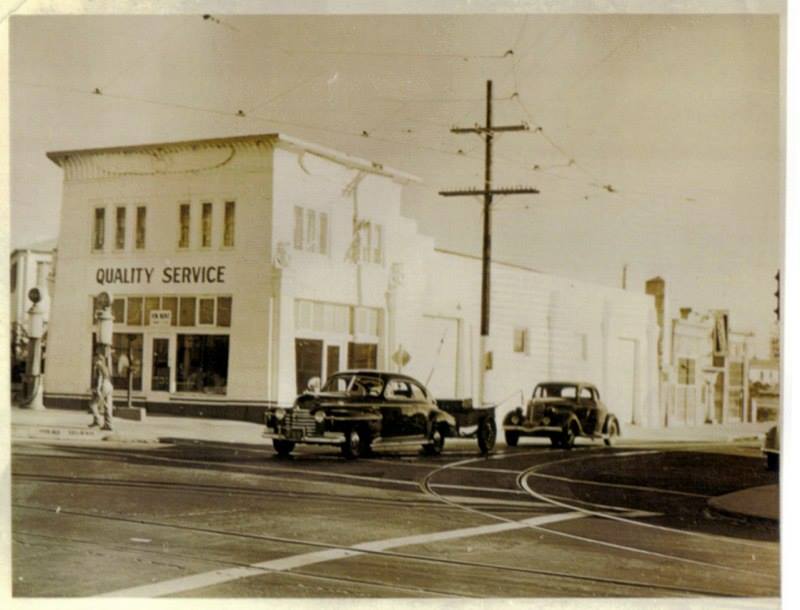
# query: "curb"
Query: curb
726,512
74,434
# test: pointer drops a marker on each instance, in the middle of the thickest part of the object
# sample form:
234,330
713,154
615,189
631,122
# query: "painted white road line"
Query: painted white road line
215,577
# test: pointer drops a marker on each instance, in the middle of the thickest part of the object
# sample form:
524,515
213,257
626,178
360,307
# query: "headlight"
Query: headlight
319,417
514,420
280,414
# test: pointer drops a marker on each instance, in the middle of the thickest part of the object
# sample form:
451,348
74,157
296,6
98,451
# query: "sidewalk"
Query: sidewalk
760,502
72,425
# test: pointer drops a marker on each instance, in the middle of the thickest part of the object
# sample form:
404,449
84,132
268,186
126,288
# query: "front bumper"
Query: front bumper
298,436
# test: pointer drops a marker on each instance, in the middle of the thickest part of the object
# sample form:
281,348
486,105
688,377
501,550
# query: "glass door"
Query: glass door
160,372
332,359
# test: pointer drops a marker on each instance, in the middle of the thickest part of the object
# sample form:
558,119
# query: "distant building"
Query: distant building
31,266
765,372
242,267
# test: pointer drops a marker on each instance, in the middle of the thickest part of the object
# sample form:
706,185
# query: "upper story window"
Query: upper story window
368,247
141,227
99,229
310,230
183,221
205,225
230,224
119,232
13,277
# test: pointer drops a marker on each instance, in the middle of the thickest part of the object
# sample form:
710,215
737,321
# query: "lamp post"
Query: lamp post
36,313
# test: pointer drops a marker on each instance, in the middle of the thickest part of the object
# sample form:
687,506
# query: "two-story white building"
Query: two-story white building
242,267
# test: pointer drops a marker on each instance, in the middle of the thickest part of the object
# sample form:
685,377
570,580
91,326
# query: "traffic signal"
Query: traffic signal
777,294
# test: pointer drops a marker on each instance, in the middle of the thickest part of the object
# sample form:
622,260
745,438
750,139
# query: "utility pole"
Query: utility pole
488,192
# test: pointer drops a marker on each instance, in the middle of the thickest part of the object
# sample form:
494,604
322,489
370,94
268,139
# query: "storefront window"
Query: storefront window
187,314
150,304
171,304
134,311
362,355
206,311
224,311
126,347
202,363
118,311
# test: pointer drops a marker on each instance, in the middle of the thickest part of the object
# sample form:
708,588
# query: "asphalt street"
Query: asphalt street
203,519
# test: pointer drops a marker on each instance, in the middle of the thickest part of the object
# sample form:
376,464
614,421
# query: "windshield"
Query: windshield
555,391
354,384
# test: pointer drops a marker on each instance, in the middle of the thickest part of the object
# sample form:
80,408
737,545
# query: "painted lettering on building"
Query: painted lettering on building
211,274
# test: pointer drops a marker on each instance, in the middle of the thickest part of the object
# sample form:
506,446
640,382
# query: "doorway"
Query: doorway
308,361
160,371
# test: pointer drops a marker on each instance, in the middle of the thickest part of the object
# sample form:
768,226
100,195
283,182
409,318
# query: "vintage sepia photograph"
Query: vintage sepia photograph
372,301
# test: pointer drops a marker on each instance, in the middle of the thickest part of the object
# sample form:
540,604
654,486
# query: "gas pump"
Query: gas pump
105,325
34,378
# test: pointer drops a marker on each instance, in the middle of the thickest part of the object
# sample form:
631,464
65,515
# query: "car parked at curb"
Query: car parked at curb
360,409
562,411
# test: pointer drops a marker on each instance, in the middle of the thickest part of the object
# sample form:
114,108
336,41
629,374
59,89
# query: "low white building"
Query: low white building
31,267
242,267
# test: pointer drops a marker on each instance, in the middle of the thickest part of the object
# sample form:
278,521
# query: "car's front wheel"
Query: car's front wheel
568,437
282,447
512,438
435,444
354,444
487,435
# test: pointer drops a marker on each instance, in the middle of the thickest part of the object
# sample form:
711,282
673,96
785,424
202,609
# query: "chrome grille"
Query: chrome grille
538,411
300,419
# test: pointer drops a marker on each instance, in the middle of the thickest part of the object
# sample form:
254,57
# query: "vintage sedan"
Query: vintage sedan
562,411
356,410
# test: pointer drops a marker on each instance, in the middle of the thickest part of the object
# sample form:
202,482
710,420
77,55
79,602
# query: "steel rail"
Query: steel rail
382,553
426,488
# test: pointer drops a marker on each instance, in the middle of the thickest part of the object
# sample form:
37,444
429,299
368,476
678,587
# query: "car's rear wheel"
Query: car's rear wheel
435,444
282,447
487,435
353,446
568,437
512,438
612,432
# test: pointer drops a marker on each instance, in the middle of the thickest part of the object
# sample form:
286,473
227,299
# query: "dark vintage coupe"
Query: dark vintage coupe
356,410
562,411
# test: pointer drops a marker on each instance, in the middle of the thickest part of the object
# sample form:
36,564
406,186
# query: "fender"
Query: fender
608,420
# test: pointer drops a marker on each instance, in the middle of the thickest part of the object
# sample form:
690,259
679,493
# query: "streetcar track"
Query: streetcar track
427,488
392,554
266,571
531,471
245,491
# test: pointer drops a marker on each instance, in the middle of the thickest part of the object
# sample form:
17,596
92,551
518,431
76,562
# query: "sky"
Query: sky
654,140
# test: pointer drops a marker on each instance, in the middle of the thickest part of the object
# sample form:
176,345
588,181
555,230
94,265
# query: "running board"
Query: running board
400,440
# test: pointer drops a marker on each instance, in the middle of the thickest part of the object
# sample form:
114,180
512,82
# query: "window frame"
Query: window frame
120,228
101,233
229,224
187,230
206,224
140,229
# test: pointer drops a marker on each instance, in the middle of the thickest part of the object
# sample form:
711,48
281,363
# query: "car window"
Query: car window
555,391
356,385
398,389
417,393
587,393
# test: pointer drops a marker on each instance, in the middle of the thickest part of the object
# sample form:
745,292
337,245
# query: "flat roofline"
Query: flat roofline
494,261
336,156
